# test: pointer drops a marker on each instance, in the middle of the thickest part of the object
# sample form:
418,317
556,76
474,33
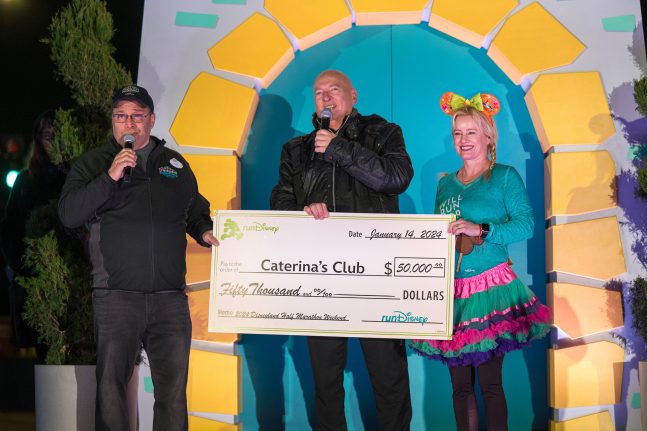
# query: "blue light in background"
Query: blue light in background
10,179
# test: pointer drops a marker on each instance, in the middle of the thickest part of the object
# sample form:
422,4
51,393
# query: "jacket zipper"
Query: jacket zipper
150,209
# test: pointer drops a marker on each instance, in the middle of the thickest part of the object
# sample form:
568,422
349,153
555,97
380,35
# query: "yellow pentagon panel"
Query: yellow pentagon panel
469,20
577,183
199,307
589,248
569,109
581,310
596,422
586,375
383,12
257,48
218,181
215,113
214,384
202,424
312,21
532,40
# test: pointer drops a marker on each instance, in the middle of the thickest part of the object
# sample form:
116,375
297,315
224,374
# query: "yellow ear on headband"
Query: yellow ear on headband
484,102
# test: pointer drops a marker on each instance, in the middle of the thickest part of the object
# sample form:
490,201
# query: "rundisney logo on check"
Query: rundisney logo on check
370,275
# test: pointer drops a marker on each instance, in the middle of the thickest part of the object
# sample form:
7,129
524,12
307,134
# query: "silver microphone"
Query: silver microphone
326,116
129,140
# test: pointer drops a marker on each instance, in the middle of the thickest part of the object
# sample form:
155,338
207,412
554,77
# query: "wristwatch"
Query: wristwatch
485,229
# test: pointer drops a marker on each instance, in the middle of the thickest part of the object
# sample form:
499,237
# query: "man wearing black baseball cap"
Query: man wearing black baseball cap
137,247
134,93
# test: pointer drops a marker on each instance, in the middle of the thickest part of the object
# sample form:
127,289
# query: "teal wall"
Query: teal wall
399,72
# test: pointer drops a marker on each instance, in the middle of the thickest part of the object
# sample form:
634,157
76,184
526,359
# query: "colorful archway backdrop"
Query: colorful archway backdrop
400,71
232,80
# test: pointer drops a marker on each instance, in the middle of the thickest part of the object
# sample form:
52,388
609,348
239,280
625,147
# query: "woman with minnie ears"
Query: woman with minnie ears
494,312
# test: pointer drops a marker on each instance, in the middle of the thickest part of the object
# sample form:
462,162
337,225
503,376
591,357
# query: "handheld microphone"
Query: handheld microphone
129,140
326,115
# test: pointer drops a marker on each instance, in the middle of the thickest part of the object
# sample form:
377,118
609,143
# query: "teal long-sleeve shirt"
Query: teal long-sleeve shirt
502,202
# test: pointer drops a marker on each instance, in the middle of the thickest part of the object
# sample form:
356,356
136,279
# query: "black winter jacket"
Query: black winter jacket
364,169
137,229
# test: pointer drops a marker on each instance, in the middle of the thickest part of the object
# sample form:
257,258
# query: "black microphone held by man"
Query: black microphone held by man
129,140
325,117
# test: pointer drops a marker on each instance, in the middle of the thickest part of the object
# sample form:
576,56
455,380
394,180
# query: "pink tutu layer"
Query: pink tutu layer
521,326
500,275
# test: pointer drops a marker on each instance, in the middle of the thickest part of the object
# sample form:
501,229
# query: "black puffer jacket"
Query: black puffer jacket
137,229
363,169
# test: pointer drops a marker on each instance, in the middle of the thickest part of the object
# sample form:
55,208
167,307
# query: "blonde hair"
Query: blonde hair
487,126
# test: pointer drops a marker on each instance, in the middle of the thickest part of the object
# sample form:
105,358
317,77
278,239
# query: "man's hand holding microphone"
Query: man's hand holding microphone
124,161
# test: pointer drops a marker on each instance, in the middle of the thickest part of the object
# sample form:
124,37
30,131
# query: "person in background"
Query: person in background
494,312
356,164
34,187
138,204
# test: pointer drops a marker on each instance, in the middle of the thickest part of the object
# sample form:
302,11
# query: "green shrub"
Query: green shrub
638,298
642,179
59,304
640,95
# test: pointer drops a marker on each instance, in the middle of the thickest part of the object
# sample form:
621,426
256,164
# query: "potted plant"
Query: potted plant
638,301
638,287
640,96
59,305
638,297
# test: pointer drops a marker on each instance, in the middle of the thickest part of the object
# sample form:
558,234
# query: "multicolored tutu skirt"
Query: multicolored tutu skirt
494,313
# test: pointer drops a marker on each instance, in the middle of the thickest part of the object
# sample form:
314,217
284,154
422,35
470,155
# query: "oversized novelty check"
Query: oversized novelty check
368,275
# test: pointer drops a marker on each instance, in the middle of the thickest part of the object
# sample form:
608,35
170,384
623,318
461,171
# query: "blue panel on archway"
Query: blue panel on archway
399,72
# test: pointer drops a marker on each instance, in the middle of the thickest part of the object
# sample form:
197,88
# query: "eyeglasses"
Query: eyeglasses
122,118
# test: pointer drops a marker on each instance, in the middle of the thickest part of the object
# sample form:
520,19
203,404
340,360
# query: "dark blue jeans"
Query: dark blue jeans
161,323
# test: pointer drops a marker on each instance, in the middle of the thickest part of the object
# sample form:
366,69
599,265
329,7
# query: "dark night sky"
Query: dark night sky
29,85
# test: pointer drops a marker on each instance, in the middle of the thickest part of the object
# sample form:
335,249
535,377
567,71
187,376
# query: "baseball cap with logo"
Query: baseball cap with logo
134,93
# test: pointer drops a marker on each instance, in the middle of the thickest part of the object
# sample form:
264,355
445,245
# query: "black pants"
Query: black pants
490,382
386,361
123,322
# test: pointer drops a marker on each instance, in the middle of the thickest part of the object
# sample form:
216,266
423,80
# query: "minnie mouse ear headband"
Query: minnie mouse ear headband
483,102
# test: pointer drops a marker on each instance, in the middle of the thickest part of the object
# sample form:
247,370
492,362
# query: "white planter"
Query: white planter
642,376
66,394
